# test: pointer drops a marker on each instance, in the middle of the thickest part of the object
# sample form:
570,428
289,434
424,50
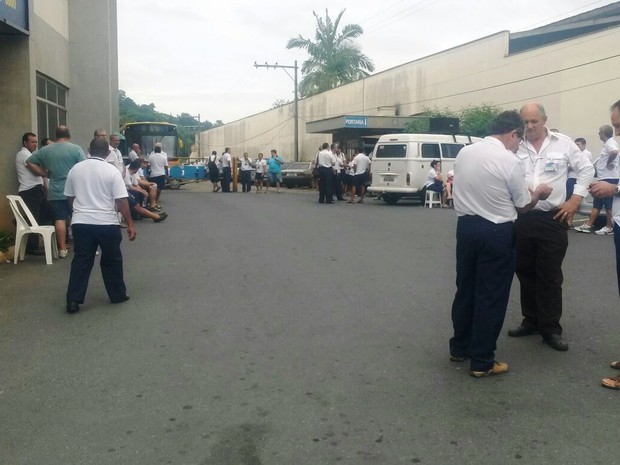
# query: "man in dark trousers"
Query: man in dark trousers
95,190
490,191
326,163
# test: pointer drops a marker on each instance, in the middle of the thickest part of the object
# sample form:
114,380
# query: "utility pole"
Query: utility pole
285,67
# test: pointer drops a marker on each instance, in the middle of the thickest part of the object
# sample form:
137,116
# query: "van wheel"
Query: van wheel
390,199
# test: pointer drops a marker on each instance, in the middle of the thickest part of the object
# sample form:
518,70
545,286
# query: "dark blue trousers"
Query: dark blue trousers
485,264
226,178
86,239
326,184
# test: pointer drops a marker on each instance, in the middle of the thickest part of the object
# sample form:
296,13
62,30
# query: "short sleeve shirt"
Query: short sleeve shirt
58,159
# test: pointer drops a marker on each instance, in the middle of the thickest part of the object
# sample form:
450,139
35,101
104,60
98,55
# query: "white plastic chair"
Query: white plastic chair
23,229
432,198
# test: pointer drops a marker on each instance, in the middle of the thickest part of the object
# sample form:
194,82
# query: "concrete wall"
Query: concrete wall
576,80
93,53
73,42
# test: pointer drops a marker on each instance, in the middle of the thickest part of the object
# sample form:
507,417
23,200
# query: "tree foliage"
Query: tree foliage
334,57
473,120
188,125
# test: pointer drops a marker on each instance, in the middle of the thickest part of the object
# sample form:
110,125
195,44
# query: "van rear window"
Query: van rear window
391,151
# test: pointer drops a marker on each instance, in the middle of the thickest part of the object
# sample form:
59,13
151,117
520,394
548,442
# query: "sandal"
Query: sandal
611,383
615,365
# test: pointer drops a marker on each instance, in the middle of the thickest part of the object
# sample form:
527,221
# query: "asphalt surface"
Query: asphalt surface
269,329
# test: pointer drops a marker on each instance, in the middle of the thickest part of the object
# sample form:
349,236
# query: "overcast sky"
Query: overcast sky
197,56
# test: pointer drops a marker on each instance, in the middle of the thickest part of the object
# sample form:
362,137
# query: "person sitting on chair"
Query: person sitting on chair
434,181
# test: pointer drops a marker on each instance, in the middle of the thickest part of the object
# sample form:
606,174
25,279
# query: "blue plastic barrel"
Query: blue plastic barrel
175,172
189,172
202,172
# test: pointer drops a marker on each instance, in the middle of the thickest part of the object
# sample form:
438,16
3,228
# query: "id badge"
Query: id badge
551,166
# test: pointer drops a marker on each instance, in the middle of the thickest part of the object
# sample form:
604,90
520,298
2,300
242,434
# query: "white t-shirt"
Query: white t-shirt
361,162
133,155
550,166
490,182
226,160
246,165
27,179
261,166
604,169
95,185
158,162
339,162
430,177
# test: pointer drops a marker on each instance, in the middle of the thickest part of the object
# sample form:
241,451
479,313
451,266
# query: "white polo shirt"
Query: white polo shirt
226,160
550,166
489,182
261,166
246,165
605,169
27,179
326,159
158,163
361,162
115,158
95,185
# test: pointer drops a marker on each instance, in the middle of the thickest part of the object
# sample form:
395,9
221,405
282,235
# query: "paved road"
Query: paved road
269,329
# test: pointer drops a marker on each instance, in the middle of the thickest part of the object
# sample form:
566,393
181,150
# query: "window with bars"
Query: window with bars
51,106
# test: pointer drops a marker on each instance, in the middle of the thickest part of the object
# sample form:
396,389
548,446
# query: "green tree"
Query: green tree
334,57
473,120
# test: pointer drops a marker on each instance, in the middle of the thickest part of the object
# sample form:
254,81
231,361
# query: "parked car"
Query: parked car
297,174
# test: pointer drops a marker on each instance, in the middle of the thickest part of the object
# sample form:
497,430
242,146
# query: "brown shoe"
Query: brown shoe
499,368
611,383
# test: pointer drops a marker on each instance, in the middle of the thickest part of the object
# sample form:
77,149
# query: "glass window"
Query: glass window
451,150
51,106
431,151
391,151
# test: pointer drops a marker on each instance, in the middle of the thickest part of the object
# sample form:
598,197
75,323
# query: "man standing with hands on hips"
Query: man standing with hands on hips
541,234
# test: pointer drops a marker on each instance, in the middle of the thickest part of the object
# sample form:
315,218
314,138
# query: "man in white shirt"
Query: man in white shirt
541,234
491,190
134,154
95,191
30,187
338,168
114,155
572,174
158,162
226,161
326,163
246,173
361,166
604,189
606,170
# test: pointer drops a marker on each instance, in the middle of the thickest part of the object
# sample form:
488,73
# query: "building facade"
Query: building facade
59,61
571,67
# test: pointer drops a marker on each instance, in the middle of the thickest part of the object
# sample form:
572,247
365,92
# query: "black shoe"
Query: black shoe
73,307
555,341
162,217
521,331
125,298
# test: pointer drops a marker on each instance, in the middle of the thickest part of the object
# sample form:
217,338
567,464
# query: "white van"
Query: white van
400,162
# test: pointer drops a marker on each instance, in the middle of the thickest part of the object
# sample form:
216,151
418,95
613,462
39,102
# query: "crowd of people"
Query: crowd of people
88,196
515,194
338,175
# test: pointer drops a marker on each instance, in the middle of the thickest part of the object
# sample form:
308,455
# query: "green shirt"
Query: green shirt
58,159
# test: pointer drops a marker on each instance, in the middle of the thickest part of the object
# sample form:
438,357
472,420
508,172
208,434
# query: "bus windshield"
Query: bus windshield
146,135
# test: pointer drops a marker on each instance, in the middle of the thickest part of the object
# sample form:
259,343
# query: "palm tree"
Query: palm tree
334,58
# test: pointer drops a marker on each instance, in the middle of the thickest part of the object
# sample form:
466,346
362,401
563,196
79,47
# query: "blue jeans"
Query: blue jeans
485,264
